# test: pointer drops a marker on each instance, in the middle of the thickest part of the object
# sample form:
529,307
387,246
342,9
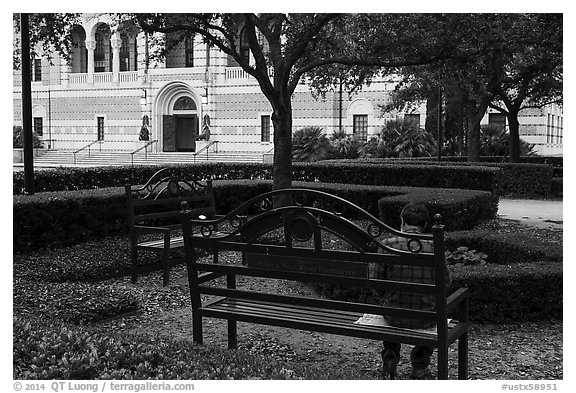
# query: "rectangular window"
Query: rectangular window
38,126
265,128
498,119
360,128
36,71
413,118
548,128
100,122
189,45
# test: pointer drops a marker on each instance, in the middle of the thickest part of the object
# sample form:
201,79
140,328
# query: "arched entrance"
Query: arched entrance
185,123
179,114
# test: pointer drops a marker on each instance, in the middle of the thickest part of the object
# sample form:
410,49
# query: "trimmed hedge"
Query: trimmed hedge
400,174
518,292
426,175
528,179
498,293
504,249
55,219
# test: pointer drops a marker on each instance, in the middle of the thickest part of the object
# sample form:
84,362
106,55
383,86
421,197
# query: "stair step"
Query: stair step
54,158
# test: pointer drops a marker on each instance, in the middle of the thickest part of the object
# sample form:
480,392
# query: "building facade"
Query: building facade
110,93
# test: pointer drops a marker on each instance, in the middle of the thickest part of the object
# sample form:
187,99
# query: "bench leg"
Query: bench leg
197,327
232,334
166,266
134,259
442,363
463,356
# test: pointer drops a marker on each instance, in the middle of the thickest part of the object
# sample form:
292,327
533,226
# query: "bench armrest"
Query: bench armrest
456,298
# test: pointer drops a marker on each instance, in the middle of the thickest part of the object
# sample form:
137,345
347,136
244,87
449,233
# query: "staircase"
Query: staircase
65,158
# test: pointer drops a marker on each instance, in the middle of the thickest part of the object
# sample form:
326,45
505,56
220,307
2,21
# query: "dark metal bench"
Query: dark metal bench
153,215
311,239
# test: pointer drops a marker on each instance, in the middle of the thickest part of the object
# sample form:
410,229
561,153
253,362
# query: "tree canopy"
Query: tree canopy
505,61
284,48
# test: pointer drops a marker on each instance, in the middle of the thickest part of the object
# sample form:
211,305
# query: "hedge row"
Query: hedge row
514,179
518,292
498,293
432,176
54,219
504,249
555,161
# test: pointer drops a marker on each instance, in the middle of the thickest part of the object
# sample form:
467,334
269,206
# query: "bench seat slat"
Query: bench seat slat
175,242
303,303
319,320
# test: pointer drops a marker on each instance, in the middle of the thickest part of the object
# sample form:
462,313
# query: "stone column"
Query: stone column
115,44
90,48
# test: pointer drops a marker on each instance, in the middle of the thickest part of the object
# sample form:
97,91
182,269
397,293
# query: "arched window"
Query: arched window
184,104
243,48
125,53
102,53
79,56
244,45
99,54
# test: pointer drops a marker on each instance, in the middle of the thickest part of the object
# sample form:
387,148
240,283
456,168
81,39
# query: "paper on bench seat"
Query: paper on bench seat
378,320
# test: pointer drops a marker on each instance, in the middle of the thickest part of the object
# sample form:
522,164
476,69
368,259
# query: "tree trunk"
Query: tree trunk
282,121
473,140
474,117
514,129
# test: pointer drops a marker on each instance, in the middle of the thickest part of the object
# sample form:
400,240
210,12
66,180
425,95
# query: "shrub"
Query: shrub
518,292
18,138
309,144
465,256
505,248
72,302
400,138
93,259
495,141
343,146
56,219
498,294
388,174
460,209
69,217
55,350
333,171
526,179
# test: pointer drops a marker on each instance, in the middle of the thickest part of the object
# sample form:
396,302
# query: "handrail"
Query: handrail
87,147
213,143
140,148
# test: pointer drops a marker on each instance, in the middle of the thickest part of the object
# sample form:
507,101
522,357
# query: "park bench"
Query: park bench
153,215
316,238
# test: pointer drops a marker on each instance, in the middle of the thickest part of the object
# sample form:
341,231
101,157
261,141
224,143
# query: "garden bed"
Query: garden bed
62,327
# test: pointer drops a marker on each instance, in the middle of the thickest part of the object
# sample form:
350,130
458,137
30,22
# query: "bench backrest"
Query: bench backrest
160,200
316,237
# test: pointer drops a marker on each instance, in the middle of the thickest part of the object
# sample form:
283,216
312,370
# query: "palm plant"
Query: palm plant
496,142
342,145
309,144
400,139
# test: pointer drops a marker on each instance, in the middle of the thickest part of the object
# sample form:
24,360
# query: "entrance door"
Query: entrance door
186,132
